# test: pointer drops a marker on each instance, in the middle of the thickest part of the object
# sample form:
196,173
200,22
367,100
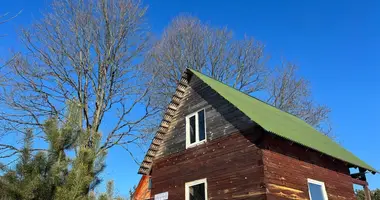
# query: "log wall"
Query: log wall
222,118
232,165
240,160
287,166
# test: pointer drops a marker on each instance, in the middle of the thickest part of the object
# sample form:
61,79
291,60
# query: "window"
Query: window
196,190
150,183
317,190
195,128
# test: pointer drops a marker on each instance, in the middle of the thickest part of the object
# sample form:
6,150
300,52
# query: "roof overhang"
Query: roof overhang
147,163
326,145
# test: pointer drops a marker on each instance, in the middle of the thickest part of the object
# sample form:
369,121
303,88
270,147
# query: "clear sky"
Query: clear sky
335,43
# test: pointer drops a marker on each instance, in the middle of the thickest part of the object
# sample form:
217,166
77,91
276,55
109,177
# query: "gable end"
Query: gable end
146,164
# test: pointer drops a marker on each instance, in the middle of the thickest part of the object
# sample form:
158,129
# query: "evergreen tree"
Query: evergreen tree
109,194
53,174
375,194
28,179
360,194
83,176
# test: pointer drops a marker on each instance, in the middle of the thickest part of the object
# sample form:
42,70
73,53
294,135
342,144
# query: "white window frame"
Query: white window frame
192,183
322,184
197,142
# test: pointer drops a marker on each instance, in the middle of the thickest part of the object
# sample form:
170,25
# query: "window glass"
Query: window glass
201,122
316,191
192,129
197,192
195,128
150,183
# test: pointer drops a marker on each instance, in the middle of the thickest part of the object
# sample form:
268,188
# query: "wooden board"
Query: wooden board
222,118
240,160
287,167
142,191
232,165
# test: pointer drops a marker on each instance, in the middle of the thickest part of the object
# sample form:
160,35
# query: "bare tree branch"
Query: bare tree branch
188,43
87,51
240,63
4,17
292,94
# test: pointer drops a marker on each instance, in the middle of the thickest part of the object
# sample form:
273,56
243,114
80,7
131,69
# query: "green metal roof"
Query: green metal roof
282,123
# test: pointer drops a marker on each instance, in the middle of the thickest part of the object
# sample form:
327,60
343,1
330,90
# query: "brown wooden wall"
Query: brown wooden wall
222,118
239,159
232,165
246,167
287,166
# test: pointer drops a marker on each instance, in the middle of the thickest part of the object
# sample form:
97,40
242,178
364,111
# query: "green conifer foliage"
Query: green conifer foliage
109,194
375,194
68,170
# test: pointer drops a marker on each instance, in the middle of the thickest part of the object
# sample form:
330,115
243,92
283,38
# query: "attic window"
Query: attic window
195,128
317,190
196,190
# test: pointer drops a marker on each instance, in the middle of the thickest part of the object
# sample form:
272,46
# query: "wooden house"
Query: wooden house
215,143
142,189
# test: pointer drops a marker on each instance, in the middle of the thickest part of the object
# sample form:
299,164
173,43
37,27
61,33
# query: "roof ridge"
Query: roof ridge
272,119
256,98
282,123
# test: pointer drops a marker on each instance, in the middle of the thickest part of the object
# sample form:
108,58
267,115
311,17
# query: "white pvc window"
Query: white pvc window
196,190
196,128
317,190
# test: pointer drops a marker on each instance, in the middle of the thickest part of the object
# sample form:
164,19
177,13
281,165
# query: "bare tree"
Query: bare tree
293,95
89,51
187,42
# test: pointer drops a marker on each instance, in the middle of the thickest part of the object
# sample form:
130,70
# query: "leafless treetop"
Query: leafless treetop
88,51
240,63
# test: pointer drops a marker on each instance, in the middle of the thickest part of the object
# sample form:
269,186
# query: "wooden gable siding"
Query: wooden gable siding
287,166
142,191
235,163
222,118
232,165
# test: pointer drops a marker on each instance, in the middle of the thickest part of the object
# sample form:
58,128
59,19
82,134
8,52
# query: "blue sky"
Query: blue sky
335,43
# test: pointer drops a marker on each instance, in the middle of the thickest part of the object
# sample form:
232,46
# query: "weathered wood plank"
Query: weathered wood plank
240,160
287,168
222,118
232,165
